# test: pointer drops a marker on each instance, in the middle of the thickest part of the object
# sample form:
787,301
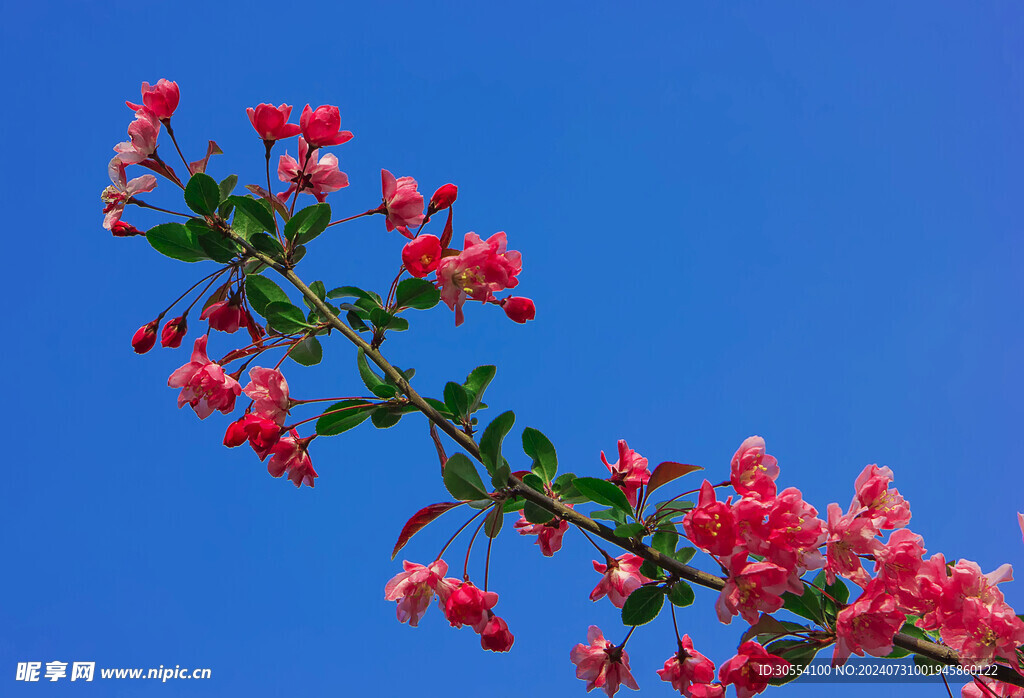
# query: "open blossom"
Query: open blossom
629,472
322,126
145,337
403,205
421,255
269,392
621,578
754,471
468,605
868,625
753,587
1020,520
710,525
203,383
981,632
478,272
318,176
966,581
290,454
795,532
495,635
881,501
549,535
142,134
117,194
173,332
898,562
849,537
687,667
271,122
519,309
751,668
601,664
414,589
261,433
992,689
227,315
160,99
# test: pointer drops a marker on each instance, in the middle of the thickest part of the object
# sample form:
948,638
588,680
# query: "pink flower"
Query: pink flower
261,433
442,198
751,516
867,625
882,502
290,453
142,133
992,688
322,126
318,177
403,205
752,588
173,332
480,270
468,605
421,255
549,535
519,309
710,525
966,581
897,564
687,667
601,664
981,632
751,668
629,472
932,579
707,690
414,589
495,635
796,532
849,537
116,196
160,99
753,470
269,393
120,229
621,578
203,383
226,315
145,337
271,122
1020,520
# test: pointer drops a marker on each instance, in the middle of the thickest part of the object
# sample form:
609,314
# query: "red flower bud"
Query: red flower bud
495,635
272,122
519,309
235,435
322,126
120,229
442,198
145,337
173,332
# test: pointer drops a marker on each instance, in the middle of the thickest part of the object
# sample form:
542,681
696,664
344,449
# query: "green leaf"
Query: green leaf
261,291
227,185
684,555
615,515
629,530
476,383
799,653
386,416
308,352
534,514
176,241
490,442
643,605
665,541
267,245
534,482
371,380
603,492
384,320
807,606
285,317
456,400
417,293
308,223
462,480
514,504
681,594
566,491
202,194
216,246
492,526
332,424
354,292
356,322
651,570
259,216
539,448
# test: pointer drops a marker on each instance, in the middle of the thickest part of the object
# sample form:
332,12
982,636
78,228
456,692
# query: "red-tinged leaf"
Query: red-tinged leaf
161,169
765,624
667,472
446,236
217,296
420,519
271,199
200,165
442,456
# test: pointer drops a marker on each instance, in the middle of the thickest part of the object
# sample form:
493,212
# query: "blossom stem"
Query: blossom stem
270,146
490,541
310,419
143,204
214,276
352,218
334,399
469,548
675,625
170,132
626,639
456,534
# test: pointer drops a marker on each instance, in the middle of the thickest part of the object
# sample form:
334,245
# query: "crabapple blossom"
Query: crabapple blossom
261,433
145,337
754,471
849,537
421,255
795,532
629,472
322,126
882,502
981,632
710,525
621,578
173,332
271,123
227,315
897,564
991,689
495,635
519,309
601,664
203,383
142,134
268,390
160,99
442,198
318,176
116,196
752,588
867,625
1020,521
120,229
687,667
403,205
290,454
751,668
468,605
549,535
414,589
481,269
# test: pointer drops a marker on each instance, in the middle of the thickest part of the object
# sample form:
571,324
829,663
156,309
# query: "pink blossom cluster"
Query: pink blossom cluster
461,601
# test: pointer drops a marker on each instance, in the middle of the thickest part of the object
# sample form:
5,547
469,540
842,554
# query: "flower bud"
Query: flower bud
442,198
145,337
120,229
322,126
495,635
235,435
173,332
272,122
519,309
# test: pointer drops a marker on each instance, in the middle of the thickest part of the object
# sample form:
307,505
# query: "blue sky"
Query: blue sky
799,221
